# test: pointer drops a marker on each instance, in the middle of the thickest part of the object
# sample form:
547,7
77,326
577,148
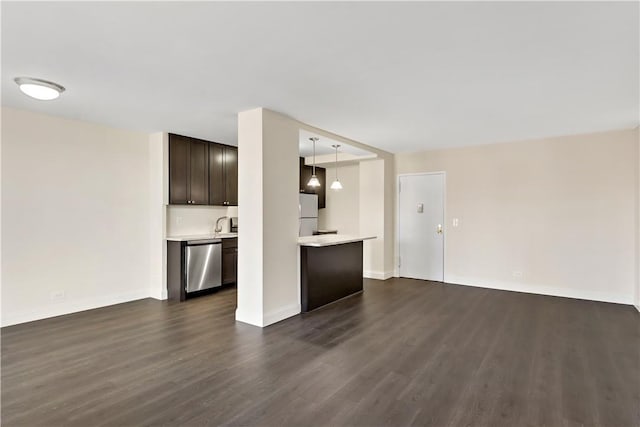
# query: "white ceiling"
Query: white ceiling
397,76
324,146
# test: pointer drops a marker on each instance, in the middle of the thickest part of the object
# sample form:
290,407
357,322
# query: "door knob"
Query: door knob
439,228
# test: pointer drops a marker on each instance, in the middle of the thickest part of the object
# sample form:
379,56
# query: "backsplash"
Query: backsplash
185,220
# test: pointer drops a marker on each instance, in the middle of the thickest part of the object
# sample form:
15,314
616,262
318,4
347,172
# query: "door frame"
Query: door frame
396,267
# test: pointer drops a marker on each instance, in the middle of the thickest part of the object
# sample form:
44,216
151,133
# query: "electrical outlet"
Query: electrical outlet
57,295
455,222
517,274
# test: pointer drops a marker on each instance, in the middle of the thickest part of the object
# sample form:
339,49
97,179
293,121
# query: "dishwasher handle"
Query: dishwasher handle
203,242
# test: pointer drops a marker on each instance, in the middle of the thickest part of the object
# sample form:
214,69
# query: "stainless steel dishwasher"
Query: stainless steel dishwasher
204,264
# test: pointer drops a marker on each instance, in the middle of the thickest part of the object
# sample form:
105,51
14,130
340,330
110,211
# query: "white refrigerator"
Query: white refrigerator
308,214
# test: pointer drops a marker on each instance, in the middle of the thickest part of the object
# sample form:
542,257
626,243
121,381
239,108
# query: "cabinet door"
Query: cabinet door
231,175
229,265
305,175
321,191
216,174
199,172
178,169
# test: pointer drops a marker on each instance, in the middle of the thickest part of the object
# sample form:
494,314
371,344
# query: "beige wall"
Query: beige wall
562,211
343,206
637,138
372,218
75,209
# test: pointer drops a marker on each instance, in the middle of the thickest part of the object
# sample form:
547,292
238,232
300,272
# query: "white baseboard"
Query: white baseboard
253,319
379,275
159,294
542,290
281,314
68,307
274,316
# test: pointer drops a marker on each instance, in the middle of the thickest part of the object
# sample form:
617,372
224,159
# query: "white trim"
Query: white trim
70,307
378,275
637,308
396,268
540,289
281,314
249,318
161,296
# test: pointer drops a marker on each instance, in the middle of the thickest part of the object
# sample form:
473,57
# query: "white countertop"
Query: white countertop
202,237
331,239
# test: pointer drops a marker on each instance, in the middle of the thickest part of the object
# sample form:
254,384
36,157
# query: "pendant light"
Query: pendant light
336,184
314,181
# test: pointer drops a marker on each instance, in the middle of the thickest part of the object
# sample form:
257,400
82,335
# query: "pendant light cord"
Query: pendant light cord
314,156
336,162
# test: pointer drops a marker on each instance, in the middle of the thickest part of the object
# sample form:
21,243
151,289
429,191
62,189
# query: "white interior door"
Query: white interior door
421,226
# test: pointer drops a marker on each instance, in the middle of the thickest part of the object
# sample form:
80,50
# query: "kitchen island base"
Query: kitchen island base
329,273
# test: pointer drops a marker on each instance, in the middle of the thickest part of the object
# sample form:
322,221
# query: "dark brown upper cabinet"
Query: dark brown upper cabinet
231,175
305,175
216,174
223,175
188,171
202,172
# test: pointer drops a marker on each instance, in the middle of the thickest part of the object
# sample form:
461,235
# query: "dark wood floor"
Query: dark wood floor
404,352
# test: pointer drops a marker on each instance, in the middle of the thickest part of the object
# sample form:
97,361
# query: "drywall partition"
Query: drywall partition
372,218
75,216
637,138
343,206
158,197
268,279
250,307
551,216
280,213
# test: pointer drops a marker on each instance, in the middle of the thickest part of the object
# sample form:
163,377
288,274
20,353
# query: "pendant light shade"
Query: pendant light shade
336,184
314,181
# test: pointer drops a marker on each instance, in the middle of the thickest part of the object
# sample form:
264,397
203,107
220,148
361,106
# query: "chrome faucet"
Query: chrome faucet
218,228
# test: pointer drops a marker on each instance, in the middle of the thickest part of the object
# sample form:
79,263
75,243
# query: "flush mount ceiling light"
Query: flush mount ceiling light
38,88
314,181
336,184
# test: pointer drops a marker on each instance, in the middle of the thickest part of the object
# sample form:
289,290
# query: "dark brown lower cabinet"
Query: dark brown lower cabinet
329,273
229,261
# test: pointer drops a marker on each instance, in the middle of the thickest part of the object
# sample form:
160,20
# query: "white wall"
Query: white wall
268,264
187,220
637,138
560,210
75,209
342,210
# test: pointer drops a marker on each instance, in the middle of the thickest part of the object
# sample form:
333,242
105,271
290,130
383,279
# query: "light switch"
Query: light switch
420,207
455,222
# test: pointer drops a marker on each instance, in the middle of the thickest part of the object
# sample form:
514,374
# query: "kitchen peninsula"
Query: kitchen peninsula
330,267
